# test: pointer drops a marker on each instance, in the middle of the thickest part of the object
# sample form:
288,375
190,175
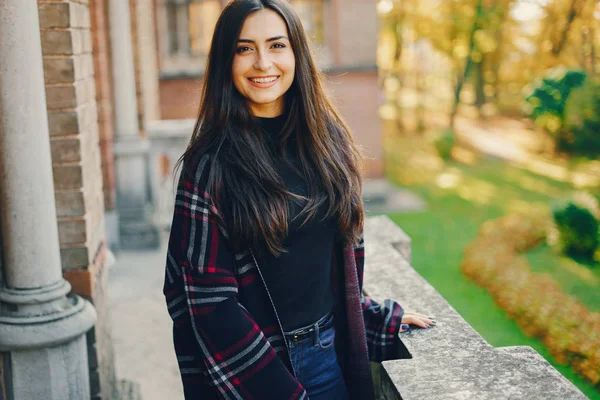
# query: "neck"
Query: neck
271,110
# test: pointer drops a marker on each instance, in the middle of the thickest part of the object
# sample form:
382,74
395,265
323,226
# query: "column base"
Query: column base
42,332
52,373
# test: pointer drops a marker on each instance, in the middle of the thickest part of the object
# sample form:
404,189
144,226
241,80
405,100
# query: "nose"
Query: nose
263,62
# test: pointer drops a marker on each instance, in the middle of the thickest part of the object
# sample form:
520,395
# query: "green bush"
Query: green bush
547,100
444,144
582,121
576,226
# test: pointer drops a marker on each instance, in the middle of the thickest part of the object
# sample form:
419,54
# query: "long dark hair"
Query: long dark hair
242,169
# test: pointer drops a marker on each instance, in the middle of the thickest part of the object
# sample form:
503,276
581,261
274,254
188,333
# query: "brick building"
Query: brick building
96,98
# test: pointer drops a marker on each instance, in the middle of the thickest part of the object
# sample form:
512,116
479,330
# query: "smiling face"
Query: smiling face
264,63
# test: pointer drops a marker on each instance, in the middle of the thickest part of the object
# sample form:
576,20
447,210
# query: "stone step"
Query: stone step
129,390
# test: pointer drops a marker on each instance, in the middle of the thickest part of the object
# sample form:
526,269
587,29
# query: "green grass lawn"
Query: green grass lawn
459,199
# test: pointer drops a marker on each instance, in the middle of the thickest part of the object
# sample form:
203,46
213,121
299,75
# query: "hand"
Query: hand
413,318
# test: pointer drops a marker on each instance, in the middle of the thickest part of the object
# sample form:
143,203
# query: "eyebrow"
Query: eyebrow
268,40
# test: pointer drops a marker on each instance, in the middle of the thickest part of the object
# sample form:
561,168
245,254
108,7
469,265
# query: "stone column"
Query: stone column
131,149
146,34
42,331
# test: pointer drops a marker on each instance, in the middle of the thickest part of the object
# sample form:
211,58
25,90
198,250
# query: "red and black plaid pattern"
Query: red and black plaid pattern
382,321
227,339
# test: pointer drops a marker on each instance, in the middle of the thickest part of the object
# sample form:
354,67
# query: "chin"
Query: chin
264,100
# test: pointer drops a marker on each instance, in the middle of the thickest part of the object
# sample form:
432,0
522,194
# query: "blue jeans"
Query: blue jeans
315,362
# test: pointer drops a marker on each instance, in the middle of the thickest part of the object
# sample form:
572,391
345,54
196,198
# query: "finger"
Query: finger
421,316
410,312
427,320
420,323
415,321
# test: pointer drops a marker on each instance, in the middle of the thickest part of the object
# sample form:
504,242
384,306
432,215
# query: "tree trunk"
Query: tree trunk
479,86
462,77
573,11
593,51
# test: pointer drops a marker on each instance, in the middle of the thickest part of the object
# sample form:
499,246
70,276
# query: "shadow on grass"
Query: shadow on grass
591,263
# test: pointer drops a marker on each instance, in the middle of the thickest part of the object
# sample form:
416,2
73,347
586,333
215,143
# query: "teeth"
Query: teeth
264,80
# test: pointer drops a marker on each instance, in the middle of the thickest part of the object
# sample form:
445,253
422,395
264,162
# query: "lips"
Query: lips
267,79
263,81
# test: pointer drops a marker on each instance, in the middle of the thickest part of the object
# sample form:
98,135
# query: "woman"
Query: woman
264,266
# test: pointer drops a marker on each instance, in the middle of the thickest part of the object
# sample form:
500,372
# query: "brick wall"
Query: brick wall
103,77
74,141
179,98
356,95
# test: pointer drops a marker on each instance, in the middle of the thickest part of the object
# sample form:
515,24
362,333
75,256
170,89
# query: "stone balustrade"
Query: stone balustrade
451,360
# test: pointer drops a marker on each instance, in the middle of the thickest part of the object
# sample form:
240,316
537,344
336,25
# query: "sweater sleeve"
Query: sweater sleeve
382,321
241,363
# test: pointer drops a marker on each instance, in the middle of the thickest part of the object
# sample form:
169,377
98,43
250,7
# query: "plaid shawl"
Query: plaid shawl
226,332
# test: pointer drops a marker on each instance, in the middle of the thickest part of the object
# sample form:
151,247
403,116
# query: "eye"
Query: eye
243,49
279,45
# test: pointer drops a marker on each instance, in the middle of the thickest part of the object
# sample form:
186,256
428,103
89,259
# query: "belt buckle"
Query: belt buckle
297,334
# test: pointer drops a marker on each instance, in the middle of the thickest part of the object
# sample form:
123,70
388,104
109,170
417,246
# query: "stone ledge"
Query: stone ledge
450,361
168,129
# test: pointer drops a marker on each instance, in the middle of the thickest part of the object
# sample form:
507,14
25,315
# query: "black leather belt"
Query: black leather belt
304,334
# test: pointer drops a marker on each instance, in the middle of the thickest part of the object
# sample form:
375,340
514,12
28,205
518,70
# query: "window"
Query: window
185,32
176,24
203,16
313,13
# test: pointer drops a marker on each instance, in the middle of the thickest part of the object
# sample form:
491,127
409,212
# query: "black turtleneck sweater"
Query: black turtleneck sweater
299,281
